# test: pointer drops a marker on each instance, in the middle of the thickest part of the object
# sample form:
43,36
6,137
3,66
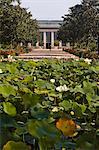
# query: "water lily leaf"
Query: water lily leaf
86,141
7,121
7,90
32,63
27,79
92,109
40,83
78,89
83,107
30,99
39,113
42,128
95,69
77,109
66,104
9,108
12,68
21,130
88,87
65,144
67,126
41,91
11,145
89,98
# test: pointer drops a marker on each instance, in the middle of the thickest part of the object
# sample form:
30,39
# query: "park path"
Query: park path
37,54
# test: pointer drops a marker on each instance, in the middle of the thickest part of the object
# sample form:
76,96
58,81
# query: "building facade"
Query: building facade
48,34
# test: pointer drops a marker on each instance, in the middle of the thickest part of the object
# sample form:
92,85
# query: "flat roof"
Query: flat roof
49,24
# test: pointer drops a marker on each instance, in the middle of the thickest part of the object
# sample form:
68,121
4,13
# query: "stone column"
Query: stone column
52,39
60,44
21,44
29,45
37,44
44,39
68,45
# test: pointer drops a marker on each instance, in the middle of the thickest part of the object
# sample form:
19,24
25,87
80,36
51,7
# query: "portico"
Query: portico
48,34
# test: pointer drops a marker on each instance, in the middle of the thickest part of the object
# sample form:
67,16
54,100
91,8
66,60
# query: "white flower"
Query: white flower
10,57
88,60
84,123
34,78
92,123
59,88
65,88
62,88
25,112
1,71
77,59
98,83
52,80
55,109
72,113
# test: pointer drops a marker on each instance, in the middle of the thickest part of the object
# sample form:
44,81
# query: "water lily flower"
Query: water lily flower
65,88
62,88
59,88
84,123
72,112
55,109
34,78
88,60
98,83
1,71
25,112
52,80
93,123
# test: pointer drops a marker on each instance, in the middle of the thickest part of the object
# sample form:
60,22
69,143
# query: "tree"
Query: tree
26,27
80,25
69,31
16,24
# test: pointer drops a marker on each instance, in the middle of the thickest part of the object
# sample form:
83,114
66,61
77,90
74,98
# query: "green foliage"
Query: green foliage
9,108
56,43
16,24
11,145
30,103
81,25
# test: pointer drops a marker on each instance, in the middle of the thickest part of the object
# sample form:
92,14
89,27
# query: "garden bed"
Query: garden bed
83,53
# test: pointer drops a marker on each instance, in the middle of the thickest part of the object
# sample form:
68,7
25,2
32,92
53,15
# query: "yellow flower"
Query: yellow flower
67,126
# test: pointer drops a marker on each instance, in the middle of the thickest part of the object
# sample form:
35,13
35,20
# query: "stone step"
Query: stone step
41,57
38,54
45,53
41,54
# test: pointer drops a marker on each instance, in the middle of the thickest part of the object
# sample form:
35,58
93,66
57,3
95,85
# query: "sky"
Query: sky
48,9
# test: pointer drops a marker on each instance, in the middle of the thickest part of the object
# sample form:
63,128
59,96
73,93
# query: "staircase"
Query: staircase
38,54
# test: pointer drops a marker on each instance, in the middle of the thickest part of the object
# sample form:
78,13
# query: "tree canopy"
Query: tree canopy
81,25
16,23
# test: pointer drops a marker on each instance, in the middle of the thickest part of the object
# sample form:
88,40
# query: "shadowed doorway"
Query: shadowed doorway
48,40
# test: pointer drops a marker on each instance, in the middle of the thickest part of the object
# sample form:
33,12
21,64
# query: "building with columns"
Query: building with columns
48,34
